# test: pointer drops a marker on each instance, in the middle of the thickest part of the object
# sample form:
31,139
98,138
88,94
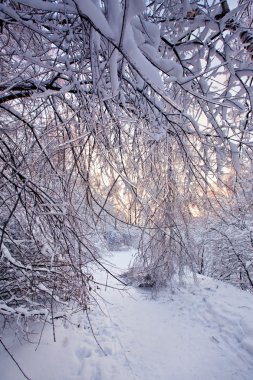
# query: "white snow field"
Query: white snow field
202,331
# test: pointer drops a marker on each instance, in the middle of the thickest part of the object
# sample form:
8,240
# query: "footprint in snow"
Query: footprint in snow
83,353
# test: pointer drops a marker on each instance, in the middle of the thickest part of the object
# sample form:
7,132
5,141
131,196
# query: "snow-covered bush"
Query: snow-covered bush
114,240
120,238
227,253
43,259
223,239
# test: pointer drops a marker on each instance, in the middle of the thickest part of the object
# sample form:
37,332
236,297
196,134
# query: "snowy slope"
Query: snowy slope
202,331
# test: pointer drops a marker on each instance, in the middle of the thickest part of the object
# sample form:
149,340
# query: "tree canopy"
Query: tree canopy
114,112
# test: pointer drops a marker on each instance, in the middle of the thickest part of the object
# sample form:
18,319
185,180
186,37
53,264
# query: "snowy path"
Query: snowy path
198,333
201,332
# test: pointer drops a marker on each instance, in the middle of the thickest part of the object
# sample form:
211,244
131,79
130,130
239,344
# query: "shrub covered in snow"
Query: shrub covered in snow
224,246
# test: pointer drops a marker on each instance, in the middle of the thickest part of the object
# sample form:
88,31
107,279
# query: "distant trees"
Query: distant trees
119,110
223,235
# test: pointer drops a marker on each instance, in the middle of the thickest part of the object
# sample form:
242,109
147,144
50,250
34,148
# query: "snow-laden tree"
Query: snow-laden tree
112,108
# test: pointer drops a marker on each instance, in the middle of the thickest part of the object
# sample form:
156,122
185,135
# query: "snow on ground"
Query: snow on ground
199,332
